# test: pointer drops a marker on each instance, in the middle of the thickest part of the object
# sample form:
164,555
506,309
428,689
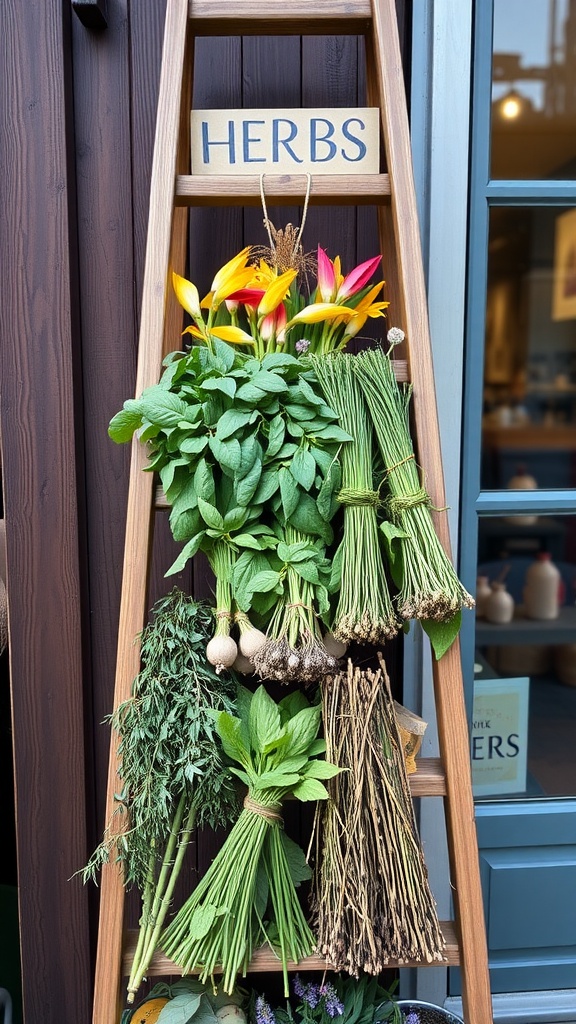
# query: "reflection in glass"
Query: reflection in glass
529,422
524,728
534,89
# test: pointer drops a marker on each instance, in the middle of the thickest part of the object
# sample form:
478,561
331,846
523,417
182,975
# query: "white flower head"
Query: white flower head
395,336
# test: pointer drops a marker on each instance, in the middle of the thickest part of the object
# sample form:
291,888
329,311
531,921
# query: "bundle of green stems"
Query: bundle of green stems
364,612
428,585
248,895
222,923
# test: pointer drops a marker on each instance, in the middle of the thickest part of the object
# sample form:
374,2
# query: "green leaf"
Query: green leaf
290,705
181,1009
303,468
251,451
264,722
393,537
225,354
333,433
210,515
321,770
231,422
300,871
188,552
277,780
229,730
310,789
264,582
226,453
302,730
193,445
248,564
250,394
268,485
246,540
268,381
279,360
317,747
308,571
276,434
204,481
125,422
185,525
246,487
234,519
442,634
201,921
326,501
309,392
307,518
162,407
225,384
289,491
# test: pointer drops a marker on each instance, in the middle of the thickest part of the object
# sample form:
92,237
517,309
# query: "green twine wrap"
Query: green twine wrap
350,496
397,504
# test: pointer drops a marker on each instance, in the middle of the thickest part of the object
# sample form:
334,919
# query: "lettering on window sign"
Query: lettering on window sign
339,141
487,748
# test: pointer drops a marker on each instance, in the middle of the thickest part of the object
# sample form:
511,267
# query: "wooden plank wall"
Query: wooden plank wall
77,127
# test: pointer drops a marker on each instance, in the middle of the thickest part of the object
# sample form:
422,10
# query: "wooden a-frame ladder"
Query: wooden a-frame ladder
173,190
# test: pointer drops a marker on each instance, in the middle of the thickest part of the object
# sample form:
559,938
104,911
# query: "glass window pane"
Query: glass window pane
534,89
529,421
524,720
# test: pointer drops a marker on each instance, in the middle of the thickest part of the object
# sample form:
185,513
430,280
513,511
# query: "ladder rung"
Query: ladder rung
265,959
323,17
429,778
282,189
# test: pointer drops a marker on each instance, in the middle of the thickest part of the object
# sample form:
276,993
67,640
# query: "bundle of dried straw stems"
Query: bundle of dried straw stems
371,897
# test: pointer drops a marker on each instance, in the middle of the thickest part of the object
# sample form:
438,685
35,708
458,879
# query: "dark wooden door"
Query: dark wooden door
77,122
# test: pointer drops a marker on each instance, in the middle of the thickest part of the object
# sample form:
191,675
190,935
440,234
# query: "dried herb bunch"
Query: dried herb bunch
172,776
371,898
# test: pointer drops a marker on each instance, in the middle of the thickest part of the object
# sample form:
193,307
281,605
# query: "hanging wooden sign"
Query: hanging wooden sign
315,141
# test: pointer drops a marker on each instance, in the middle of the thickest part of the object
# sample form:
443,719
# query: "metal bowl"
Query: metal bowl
427,1012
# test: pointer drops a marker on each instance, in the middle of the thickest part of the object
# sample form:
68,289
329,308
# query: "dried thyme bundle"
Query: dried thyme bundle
364,612
428,584
371,899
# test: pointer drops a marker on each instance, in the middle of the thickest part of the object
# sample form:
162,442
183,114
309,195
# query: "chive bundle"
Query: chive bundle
364,612
428,585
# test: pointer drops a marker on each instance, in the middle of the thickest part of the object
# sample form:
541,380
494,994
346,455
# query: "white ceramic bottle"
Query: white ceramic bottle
499,606
522,481
483,591
542,588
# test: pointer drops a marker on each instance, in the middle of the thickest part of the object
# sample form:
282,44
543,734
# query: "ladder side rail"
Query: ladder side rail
108,976
447,673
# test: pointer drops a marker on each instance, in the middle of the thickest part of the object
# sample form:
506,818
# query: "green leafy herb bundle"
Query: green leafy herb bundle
429,588
247,452
364,612
173,778
258,867
371,896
